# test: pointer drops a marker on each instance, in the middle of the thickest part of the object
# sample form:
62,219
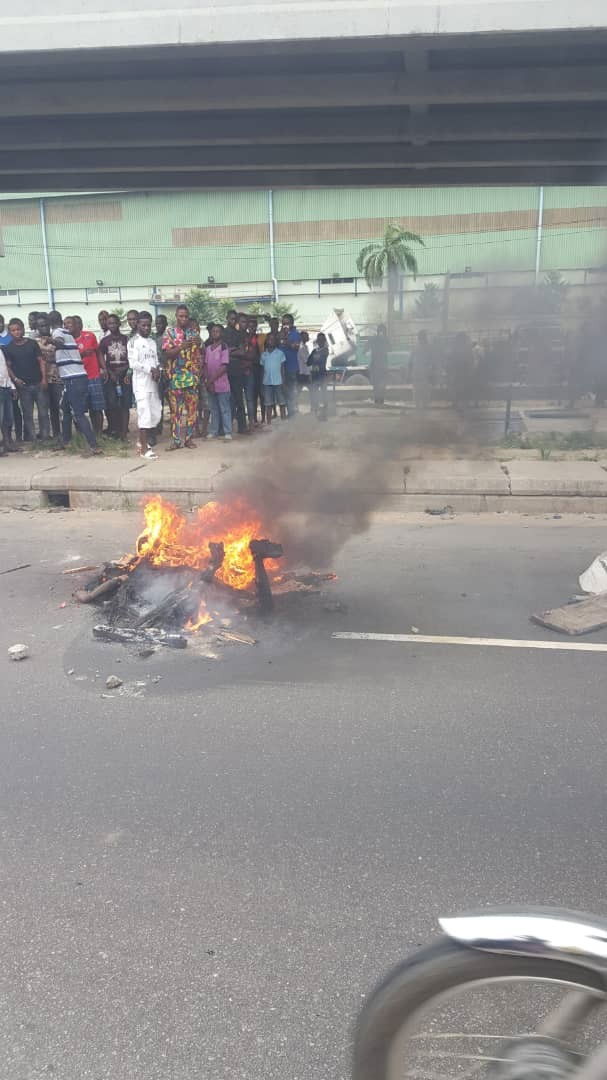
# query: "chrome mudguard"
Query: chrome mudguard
544,932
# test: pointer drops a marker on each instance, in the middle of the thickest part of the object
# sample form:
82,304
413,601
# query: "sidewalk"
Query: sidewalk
401,480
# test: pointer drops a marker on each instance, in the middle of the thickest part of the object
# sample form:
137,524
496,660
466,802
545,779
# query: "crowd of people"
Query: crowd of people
458,367
469,371
56,374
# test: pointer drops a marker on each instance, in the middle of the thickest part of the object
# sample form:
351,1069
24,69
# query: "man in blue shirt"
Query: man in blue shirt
272,362
6,395
14,413
5,337
290,341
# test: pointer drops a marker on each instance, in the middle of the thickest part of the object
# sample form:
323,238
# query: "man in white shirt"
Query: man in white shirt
7,391
145,366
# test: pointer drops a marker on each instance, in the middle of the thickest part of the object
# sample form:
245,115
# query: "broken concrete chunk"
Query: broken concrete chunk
18,652
113,682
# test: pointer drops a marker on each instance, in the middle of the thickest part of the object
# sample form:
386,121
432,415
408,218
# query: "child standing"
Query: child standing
217,358
273,363
145,365
317,365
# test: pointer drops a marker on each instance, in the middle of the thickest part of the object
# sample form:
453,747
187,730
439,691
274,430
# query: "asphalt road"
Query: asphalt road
205,880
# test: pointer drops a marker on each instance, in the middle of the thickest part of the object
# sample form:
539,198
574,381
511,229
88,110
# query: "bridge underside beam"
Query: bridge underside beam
442,110
312,158
363,124
96,97
302,178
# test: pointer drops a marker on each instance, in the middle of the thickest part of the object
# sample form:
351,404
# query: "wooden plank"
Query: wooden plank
580,618
87,596
234,635
285,587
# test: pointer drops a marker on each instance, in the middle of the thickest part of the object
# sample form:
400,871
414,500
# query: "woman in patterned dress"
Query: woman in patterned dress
181,346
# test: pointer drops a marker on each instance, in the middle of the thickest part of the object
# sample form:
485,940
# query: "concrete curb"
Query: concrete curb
474,503
467,485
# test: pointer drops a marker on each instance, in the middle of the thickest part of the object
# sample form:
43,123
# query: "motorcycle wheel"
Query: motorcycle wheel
384,1043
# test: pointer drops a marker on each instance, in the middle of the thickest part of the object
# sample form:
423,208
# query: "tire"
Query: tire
357,380
428,974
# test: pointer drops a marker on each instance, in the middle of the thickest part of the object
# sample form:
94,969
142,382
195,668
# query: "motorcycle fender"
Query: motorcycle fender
549,933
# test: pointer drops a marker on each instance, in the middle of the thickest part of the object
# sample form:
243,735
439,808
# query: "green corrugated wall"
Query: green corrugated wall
138,247
23,265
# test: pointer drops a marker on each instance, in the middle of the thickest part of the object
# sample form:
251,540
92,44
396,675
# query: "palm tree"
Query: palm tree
429,303
389,257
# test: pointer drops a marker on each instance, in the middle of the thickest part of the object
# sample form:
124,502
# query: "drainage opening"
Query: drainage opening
57,498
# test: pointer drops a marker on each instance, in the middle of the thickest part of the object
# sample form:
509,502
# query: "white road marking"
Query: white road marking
497,643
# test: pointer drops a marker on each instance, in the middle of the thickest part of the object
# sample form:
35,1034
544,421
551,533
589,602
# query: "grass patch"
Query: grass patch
36,446
110,447
548,441
78,445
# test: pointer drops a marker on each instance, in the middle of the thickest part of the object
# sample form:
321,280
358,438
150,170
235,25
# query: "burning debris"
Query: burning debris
186,573
125,635
262,550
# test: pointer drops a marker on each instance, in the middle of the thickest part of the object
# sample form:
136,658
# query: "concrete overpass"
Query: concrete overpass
301,93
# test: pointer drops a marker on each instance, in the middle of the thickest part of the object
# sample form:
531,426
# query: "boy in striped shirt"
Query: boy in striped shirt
75,383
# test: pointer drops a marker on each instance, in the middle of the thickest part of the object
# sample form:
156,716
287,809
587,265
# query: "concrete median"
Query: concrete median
467,485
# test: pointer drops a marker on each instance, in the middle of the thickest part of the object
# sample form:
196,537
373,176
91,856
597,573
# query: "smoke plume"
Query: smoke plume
316,485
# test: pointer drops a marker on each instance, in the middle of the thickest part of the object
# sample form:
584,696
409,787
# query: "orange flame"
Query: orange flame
201,619
170,539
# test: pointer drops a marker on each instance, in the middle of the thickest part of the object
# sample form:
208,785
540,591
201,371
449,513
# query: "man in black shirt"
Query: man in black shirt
27,369
114,353
234,340
231,334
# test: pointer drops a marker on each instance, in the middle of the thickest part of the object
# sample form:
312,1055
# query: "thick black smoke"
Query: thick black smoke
316,485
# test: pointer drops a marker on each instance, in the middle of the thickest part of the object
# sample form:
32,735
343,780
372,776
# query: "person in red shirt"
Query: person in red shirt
87,347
